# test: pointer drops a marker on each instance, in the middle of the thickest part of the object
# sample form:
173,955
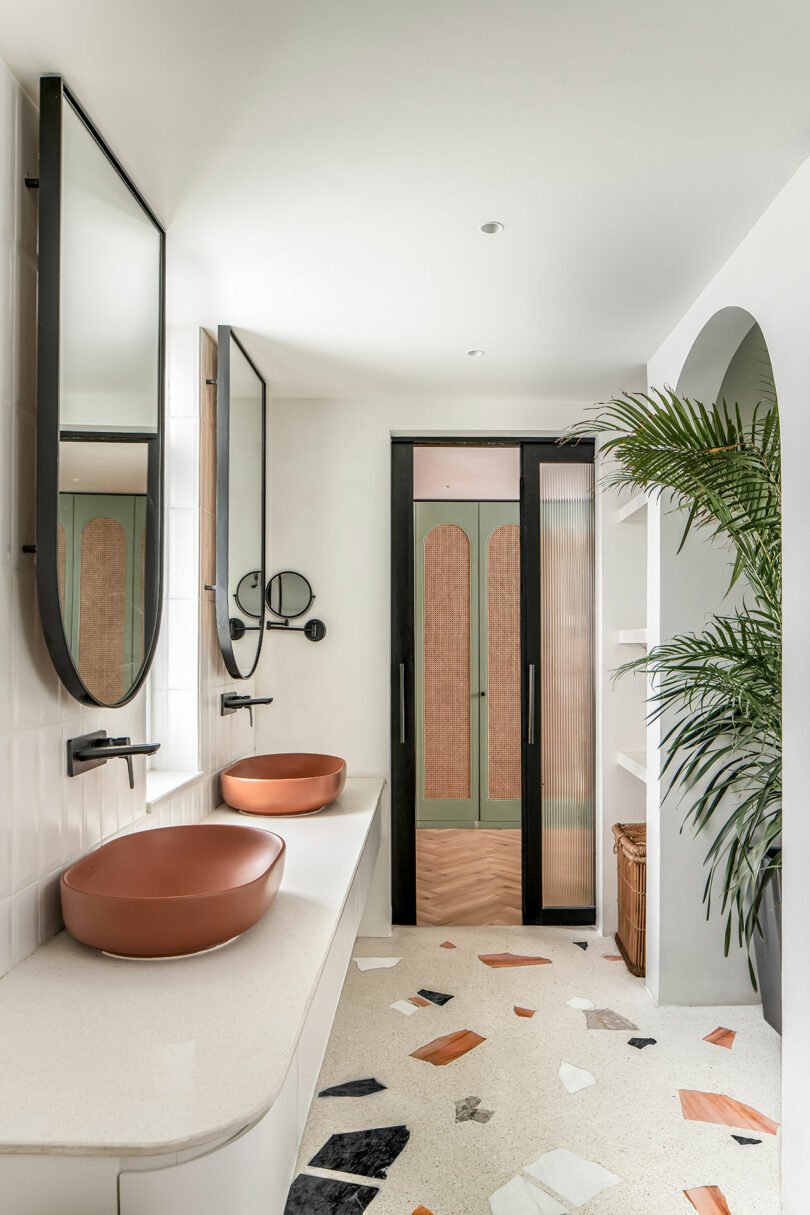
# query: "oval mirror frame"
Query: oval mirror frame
228,634
278,579
55,100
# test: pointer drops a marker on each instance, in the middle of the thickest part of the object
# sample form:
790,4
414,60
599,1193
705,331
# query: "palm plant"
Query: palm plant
718,691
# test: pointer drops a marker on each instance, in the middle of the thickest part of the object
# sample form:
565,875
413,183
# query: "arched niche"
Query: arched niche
728,360
724,361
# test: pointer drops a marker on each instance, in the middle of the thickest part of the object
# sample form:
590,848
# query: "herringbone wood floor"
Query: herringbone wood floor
468,876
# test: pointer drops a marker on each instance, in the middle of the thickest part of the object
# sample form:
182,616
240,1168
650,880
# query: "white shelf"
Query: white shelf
634,762
633,637
632,507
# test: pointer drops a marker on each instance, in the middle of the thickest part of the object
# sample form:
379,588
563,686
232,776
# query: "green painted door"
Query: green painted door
126,512
467,605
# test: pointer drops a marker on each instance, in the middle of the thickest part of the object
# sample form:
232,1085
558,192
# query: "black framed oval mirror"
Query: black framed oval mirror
289,594
241,494
100,406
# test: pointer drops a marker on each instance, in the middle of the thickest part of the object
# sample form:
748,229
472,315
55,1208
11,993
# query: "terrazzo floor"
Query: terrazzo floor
437,1157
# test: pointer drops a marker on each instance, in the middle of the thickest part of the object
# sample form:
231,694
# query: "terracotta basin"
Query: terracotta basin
169,891
284,784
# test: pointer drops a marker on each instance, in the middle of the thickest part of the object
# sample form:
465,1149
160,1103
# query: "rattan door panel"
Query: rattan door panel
104,588
446,610
499,607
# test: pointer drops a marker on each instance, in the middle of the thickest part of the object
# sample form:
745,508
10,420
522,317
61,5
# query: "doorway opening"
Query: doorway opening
492,682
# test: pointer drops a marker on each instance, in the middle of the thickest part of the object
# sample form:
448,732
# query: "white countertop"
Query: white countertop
100,1056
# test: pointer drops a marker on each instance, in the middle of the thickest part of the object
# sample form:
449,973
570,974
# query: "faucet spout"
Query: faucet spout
93,750
229,702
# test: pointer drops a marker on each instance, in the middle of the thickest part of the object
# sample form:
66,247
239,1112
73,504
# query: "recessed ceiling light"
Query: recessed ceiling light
492,227
475,354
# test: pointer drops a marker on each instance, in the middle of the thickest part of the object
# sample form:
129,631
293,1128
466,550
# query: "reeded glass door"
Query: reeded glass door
559,624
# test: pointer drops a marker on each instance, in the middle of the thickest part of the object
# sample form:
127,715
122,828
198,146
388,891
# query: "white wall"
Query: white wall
769,276
330,496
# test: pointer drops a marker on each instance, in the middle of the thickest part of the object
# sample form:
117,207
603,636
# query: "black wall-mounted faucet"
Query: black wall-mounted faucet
229,702
92,750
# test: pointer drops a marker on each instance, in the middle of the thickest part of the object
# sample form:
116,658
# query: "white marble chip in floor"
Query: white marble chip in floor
547,1138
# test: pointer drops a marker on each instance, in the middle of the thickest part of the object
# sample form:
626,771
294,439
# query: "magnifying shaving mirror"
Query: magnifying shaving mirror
289,595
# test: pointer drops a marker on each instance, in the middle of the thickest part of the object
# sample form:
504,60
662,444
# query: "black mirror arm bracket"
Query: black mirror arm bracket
313,630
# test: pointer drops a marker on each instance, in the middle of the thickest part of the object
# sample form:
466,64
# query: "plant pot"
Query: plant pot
768,949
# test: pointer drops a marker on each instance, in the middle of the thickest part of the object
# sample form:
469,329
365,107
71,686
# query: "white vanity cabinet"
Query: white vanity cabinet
244,1168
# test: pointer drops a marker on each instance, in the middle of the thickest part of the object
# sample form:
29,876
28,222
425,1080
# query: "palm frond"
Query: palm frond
717,693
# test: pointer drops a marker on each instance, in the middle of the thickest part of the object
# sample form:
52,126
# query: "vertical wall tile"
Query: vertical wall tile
72,806
183,575
7,610
24,299
49,912
91,800
6,953
183,462
24,796
27,165
8,151
51,777
24,676
6,483
109,780
24,922
6,817
24,481
6,320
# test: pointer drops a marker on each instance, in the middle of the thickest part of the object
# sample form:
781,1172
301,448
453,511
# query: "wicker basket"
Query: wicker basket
631,852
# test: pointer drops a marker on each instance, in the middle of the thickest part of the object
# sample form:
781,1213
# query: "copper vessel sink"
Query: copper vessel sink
292,783
170,891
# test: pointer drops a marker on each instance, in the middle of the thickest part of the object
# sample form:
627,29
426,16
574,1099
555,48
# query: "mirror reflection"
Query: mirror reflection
100,401
101,553
289,594
110,314
249,594
240,505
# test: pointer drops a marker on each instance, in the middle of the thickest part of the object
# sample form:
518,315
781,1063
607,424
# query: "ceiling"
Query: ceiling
324,167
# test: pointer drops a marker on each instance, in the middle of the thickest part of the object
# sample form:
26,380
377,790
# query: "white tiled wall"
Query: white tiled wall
48,820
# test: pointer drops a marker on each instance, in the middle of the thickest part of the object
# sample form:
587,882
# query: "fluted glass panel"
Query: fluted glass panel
567,706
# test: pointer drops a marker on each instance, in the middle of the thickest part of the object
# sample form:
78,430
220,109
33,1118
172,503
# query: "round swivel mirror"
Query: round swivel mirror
289,594
248,594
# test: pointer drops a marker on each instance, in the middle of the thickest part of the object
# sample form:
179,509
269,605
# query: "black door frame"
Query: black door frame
402,671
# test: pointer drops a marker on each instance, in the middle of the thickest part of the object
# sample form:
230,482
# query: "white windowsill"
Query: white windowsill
160,784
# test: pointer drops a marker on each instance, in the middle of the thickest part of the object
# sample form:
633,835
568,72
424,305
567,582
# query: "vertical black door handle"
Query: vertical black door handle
531,705
402,702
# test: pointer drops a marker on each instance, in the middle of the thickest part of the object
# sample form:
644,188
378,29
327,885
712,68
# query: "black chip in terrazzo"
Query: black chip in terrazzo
435,997
742,1139
640,1043
581,944
353,1088
366,1153
323,1196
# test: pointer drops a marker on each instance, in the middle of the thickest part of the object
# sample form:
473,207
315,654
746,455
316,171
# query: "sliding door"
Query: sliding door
559,641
